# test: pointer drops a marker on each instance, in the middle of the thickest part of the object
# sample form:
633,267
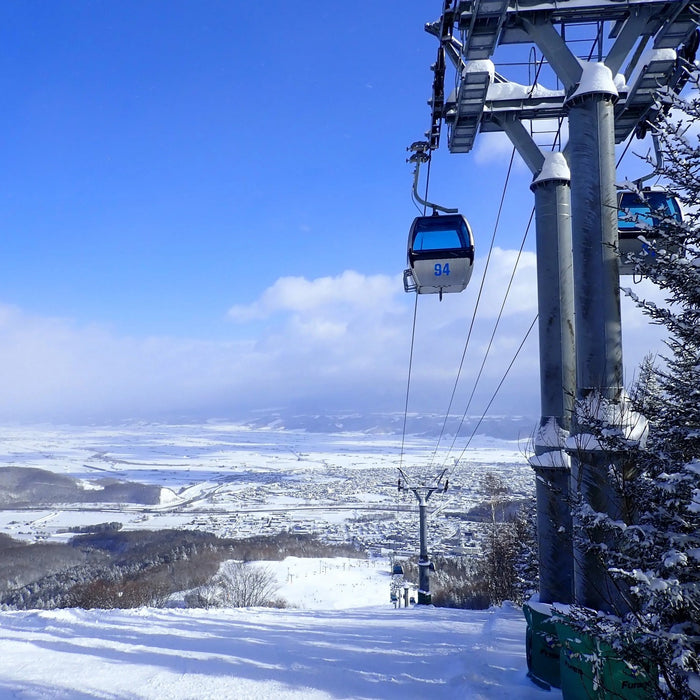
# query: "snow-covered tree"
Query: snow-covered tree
645,394
239,585
508,566
654,557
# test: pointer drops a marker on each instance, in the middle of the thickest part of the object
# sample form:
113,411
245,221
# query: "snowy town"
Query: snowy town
238,482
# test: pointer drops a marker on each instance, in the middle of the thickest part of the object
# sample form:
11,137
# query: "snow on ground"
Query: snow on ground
342,648
241,482
342,638
194,453
331,583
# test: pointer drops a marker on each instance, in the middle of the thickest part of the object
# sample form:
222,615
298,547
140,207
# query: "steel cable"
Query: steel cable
476,308
491,339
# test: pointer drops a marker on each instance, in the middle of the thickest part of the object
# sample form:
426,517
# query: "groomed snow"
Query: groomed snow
331,583
341,640
373,652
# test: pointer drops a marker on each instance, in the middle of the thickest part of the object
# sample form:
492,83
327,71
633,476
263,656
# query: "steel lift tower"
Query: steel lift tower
641,46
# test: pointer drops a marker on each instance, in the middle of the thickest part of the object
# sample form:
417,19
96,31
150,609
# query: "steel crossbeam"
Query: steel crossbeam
480,103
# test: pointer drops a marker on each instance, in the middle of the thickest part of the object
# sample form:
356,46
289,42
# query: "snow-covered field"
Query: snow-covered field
342,641
237,481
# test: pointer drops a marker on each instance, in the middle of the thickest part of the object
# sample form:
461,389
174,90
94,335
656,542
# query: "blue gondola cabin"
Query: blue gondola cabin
639,216
440,254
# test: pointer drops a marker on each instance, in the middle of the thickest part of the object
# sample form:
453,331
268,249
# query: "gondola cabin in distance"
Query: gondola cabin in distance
440,254
640,216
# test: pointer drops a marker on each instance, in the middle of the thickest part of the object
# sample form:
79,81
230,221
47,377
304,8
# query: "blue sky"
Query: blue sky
205,206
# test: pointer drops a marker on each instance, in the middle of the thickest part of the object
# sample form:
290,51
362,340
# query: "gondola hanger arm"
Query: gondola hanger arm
421,154
658,164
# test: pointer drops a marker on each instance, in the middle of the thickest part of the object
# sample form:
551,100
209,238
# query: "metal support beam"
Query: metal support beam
555,290
423,494
555,50
632,29
555,305
520,137
478,104
424,597
598,320
594,209
557,380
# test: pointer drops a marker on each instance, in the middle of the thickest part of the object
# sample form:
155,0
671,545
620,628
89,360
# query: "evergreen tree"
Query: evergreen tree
646,393
655,560
508,566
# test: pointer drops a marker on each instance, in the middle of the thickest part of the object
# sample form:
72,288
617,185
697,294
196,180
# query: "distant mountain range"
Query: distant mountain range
428,425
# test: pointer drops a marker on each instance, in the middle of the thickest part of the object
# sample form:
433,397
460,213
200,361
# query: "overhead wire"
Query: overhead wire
596,42
479,295
413,329
534,83
491,339
476,308
624,151
408,381
496,325
495,393
454,389
490,402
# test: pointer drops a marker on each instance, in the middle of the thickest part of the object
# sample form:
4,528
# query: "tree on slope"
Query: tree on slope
508,567
655,561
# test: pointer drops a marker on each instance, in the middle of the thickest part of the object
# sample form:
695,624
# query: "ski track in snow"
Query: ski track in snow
375,652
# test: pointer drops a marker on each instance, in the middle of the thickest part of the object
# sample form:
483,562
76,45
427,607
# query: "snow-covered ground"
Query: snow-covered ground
331,583
238,481
342,641
341,638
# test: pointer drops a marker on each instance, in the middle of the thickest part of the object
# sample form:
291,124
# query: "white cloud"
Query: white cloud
332,342
496,148
351,290
498,278
492,147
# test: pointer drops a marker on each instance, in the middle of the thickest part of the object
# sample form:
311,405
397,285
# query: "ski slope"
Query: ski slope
323,649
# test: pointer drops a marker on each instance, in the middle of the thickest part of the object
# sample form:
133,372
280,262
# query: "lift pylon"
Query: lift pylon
423,494
607,95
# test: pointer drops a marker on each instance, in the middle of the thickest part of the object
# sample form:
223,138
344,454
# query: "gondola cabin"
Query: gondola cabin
440,254
635,215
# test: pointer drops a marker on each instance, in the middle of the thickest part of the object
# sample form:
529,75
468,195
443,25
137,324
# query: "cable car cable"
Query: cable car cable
598,41
493,335
500,384
624,152
408,382
461,364
495,393
481,287
476,308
